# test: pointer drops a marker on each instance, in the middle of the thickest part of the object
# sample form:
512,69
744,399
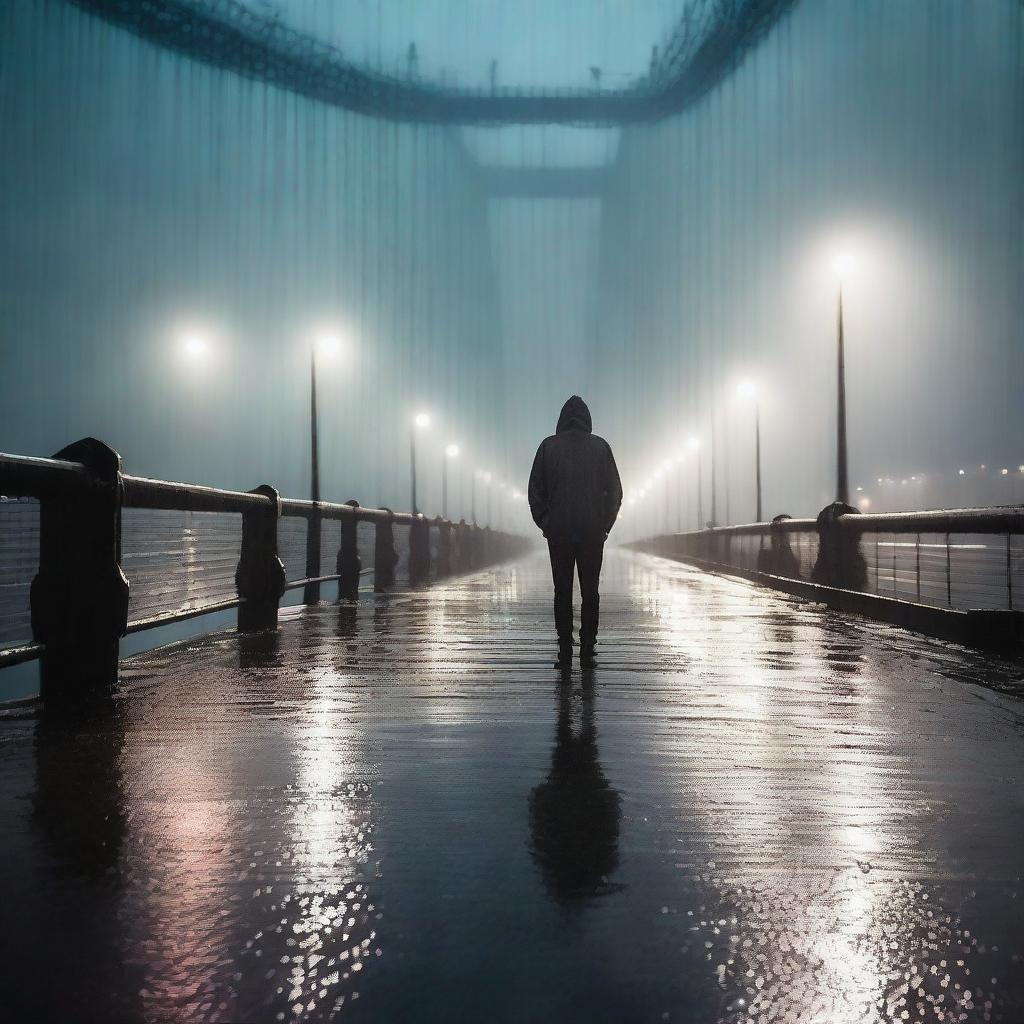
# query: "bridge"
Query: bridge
292,293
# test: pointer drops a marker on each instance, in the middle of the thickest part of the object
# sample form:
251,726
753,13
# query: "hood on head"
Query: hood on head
574,416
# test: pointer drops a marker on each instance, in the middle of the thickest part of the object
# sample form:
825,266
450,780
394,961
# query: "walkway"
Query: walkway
756,812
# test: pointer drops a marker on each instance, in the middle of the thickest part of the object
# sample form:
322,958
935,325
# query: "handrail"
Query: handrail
31,477
80,596
995,519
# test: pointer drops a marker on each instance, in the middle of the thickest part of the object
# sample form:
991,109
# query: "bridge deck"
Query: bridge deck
754,811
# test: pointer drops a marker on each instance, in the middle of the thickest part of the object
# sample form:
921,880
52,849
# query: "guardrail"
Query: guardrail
964,561
79,601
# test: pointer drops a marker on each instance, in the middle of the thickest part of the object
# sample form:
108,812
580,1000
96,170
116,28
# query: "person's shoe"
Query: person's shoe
587,659
564,660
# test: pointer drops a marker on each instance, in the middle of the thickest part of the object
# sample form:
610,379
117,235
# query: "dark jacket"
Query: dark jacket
574,491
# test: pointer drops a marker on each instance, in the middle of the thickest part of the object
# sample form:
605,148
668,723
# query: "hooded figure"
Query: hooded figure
575,496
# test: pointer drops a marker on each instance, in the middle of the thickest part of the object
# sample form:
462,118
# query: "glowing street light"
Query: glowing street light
195,347
421,421
451,451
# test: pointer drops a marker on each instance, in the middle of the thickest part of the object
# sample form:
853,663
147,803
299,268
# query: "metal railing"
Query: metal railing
73,526
968,559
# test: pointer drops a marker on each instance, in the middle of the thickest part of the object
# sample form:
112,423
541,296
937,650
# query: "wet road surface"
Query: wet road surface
753,811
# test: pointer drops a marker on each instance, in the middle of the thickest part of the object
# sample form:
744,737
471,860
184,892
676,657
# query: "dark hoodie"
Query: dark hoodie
575,492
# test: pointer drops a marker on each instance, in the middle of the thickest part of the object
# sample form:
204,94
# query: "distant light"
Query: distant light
914,478
746,389
195,346
864,503
1020,469
860,488
1004,471
983,465
904,480
422,420
693,443
516,495
879,479
632,501
619,516
961,472
452,451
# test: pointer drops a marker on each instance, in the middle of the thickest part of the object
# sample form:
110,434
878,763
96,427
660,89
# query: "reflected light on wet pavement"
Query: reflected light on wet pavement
752,811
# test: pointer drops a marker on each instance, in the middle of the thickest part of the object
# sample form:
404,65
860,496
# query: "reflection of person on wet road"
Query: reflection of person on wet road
574,813
575,495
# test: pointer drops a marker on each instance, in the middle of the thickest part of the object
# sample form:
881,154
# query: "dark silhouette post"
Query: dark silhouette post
260,576
757,456
420,422
349,564
444,547
79,597
419,551
842,474
311,592
700,487
384,555
714,489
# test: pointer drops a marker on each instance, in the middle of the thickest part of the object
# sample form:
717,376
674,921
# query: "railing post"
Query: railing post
260,576
384,555
444,547
840,563
311,591
79,598
348,563
419,550
462,559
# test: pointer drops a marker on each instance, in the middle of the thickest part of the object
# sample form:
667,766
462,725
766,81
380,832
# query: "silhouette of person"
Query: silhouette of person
575,495
574,812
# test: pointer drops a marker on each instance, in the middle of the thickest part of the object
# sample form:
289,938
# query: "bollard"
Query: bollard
419,551
79,597
385,558
444,548
840,562
349,565
260,576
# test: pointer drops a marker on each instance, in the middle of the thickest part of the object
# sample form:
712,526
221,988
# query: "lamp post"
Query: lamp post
450,452
420,422
842,264
324,346
694,445
748,389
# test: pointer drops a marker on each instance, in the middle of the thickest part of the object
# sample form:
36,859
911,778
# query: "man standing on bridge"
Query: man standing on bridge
575,496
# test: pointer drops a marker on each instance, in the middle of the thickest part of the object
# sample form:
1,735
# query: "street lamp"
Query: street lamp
843,265
419,422
326,346
486,477
748,390
450,452
693,444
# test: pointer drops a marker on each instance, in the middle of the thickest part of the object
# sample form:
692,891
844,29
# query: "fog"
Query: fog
176,238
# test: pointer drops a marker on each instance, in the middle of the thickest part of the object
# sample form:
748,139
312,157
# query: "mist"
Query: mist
177,238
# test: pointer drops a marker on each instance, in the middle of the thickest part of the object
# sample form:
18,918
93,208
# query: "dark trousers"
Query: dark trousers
566,559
